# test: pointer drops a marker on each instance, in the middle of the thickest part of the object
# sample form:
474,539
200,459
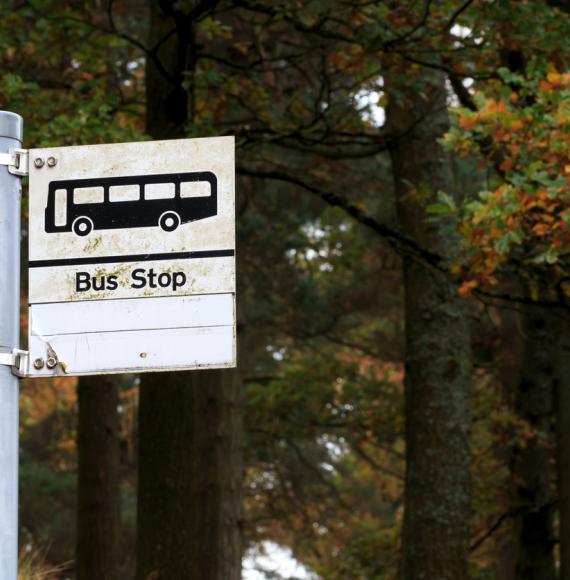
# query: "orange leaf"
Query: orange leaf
553,77
540,229
467,287
507,164
468,123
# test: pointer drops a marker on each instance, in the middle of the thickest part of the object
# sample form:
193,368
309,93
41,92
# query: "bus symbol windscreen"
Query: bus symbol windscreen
165,200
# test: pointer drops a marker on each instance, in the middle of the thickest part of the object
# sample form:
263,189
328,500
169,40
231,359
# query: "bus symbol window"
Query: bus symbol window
160,190
194,189
119,193
60,218
83,195
165,200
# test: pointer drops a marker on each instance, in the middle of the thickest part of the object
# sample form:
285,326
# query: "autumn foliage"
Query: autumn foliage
521,222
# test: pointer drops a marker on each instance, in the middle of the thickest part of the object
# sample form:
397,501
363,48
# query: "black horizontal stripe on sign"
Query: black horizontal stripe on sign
132,258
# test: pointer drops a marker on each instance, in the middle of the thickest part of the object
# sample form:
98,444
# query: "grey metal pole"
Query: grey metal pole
11,135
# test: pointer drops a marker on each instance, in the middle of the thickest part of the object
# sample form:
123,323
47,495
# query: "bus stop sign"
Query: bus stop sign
132,257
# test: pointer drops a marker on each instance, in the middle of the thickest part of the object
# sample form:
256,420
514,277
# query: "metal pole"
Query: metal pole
11,134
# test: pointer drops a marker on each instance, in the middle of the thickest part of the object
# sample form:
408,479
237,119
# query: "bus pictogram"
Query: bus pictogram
163,200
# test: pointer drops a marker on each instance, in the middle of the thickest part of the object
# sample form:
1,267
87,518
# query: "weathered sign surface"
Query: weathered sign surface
132,257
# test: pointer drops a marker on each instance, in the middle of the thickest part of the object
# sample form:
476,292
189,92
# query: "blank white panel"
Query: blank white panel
131,314
136,351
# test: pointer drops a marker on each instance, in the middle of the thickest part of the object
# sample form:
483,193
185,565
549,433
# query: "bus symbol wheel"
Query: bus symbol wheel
82,226
169,221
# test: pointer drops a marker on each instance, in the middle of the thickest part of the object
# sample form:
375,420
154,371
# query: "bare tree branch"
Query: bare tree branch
399,241
458,13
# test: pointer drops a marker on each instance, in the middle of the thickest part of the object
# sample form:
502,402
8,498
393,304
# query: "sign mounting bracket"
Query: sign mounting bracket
17,161
17,359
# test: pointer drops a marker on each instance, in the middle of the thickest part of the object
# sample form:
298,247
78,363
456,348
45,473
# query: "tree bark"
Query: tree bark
190,476
563,441
167,101
534,504
98,479
438,355
190,424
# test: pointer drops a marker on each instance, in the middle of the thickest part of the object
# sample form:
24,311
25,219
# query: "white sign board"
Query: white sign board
132,257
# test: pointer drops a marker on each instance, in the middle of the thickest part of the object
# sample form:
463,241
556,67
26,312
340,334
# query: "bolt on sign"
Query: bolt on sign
132,257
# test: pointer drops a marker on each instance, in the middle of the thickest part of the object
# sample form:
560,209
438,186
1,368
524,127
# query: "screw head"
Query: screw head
51,362
51,161
39,363
38,162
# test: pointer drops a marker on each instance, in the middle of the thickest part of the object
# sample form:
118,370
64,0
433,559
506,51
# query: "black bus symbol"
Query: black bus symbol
165,200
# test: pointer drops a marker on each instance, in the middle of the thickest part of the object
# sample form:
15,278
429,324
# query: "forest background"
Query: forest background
402,403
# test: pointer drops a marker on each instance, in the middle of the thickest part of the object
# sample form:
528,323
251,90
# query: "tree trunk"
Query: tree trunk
98,479
534,505
190,472
563,442
438,355
167,69
190,424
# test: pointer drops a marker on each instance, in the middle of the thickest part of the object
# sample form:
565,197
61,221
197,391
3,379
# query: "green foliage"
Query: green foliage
47,508
445,204
330,425
61,76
